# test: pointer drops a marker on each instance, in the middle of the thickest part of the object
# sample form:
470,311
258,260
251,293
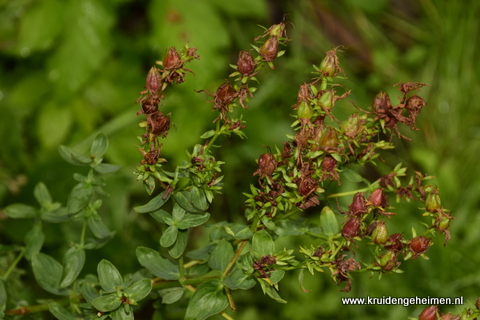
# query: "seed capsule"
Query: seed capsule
246,64
429,313
419,245
351,229
269,49
154,80
380,233
172,60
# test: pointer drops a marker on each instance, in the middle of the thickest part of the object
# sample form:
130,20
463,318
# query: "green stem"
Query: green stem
182,268
234,258
215,136
14,264
84,229
343,194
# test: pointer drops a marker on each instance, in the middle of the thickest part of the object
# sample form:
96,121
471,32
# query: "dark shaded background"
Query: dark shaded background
72,69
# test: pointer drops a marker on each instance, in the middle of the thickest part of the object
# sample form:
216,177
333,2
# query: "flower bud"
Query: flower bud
154,80
419,245
269,49
378,198
429,313
172,60
245,63
329,138
433,202
359,204
352,227
329,67
381,103
380,233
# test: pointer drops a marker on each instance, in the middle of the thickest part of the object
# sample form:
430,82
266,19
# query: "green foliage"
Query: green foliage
66,78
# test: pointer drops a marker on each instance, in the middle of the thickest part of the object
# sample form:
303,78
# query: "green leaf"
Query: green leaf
79,197
328,222
221,255
3,293
108,302
53,112
270,291
20,211
88,292
73,157
178,213
207,134
87,24
162,216
34,240
55,216
73,262
42,195
99,146
239,231
125,312
262,243
139,290
198,198
61,313
98,228
108,276
157,265
179,247
48,273
36,32
290,227
154,204
106,168
171,295
240,280
184,199
207,300
193,220
351,175
169,236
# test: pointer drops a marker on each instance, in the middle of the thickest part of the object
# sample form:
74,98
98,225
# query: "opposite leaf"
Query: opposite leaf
108,276
157,265
208,299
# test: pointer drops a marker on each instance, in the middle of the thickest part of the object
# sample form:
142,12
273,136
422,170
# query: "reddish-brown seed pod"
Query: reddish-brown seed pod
246,64
419,245
394,243
359,204
225,94
378,198
154,80
269,49
172,60
430,313
381,103
266,164
159,124
351,229
415,103
329,164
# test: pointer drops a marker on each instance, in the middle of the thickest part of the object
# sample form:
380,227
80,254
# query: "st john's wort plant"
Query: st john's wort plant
321,153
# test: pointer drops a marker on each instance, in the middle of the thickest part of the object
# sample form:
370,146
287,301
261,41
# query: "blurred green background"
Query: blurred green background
71,69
